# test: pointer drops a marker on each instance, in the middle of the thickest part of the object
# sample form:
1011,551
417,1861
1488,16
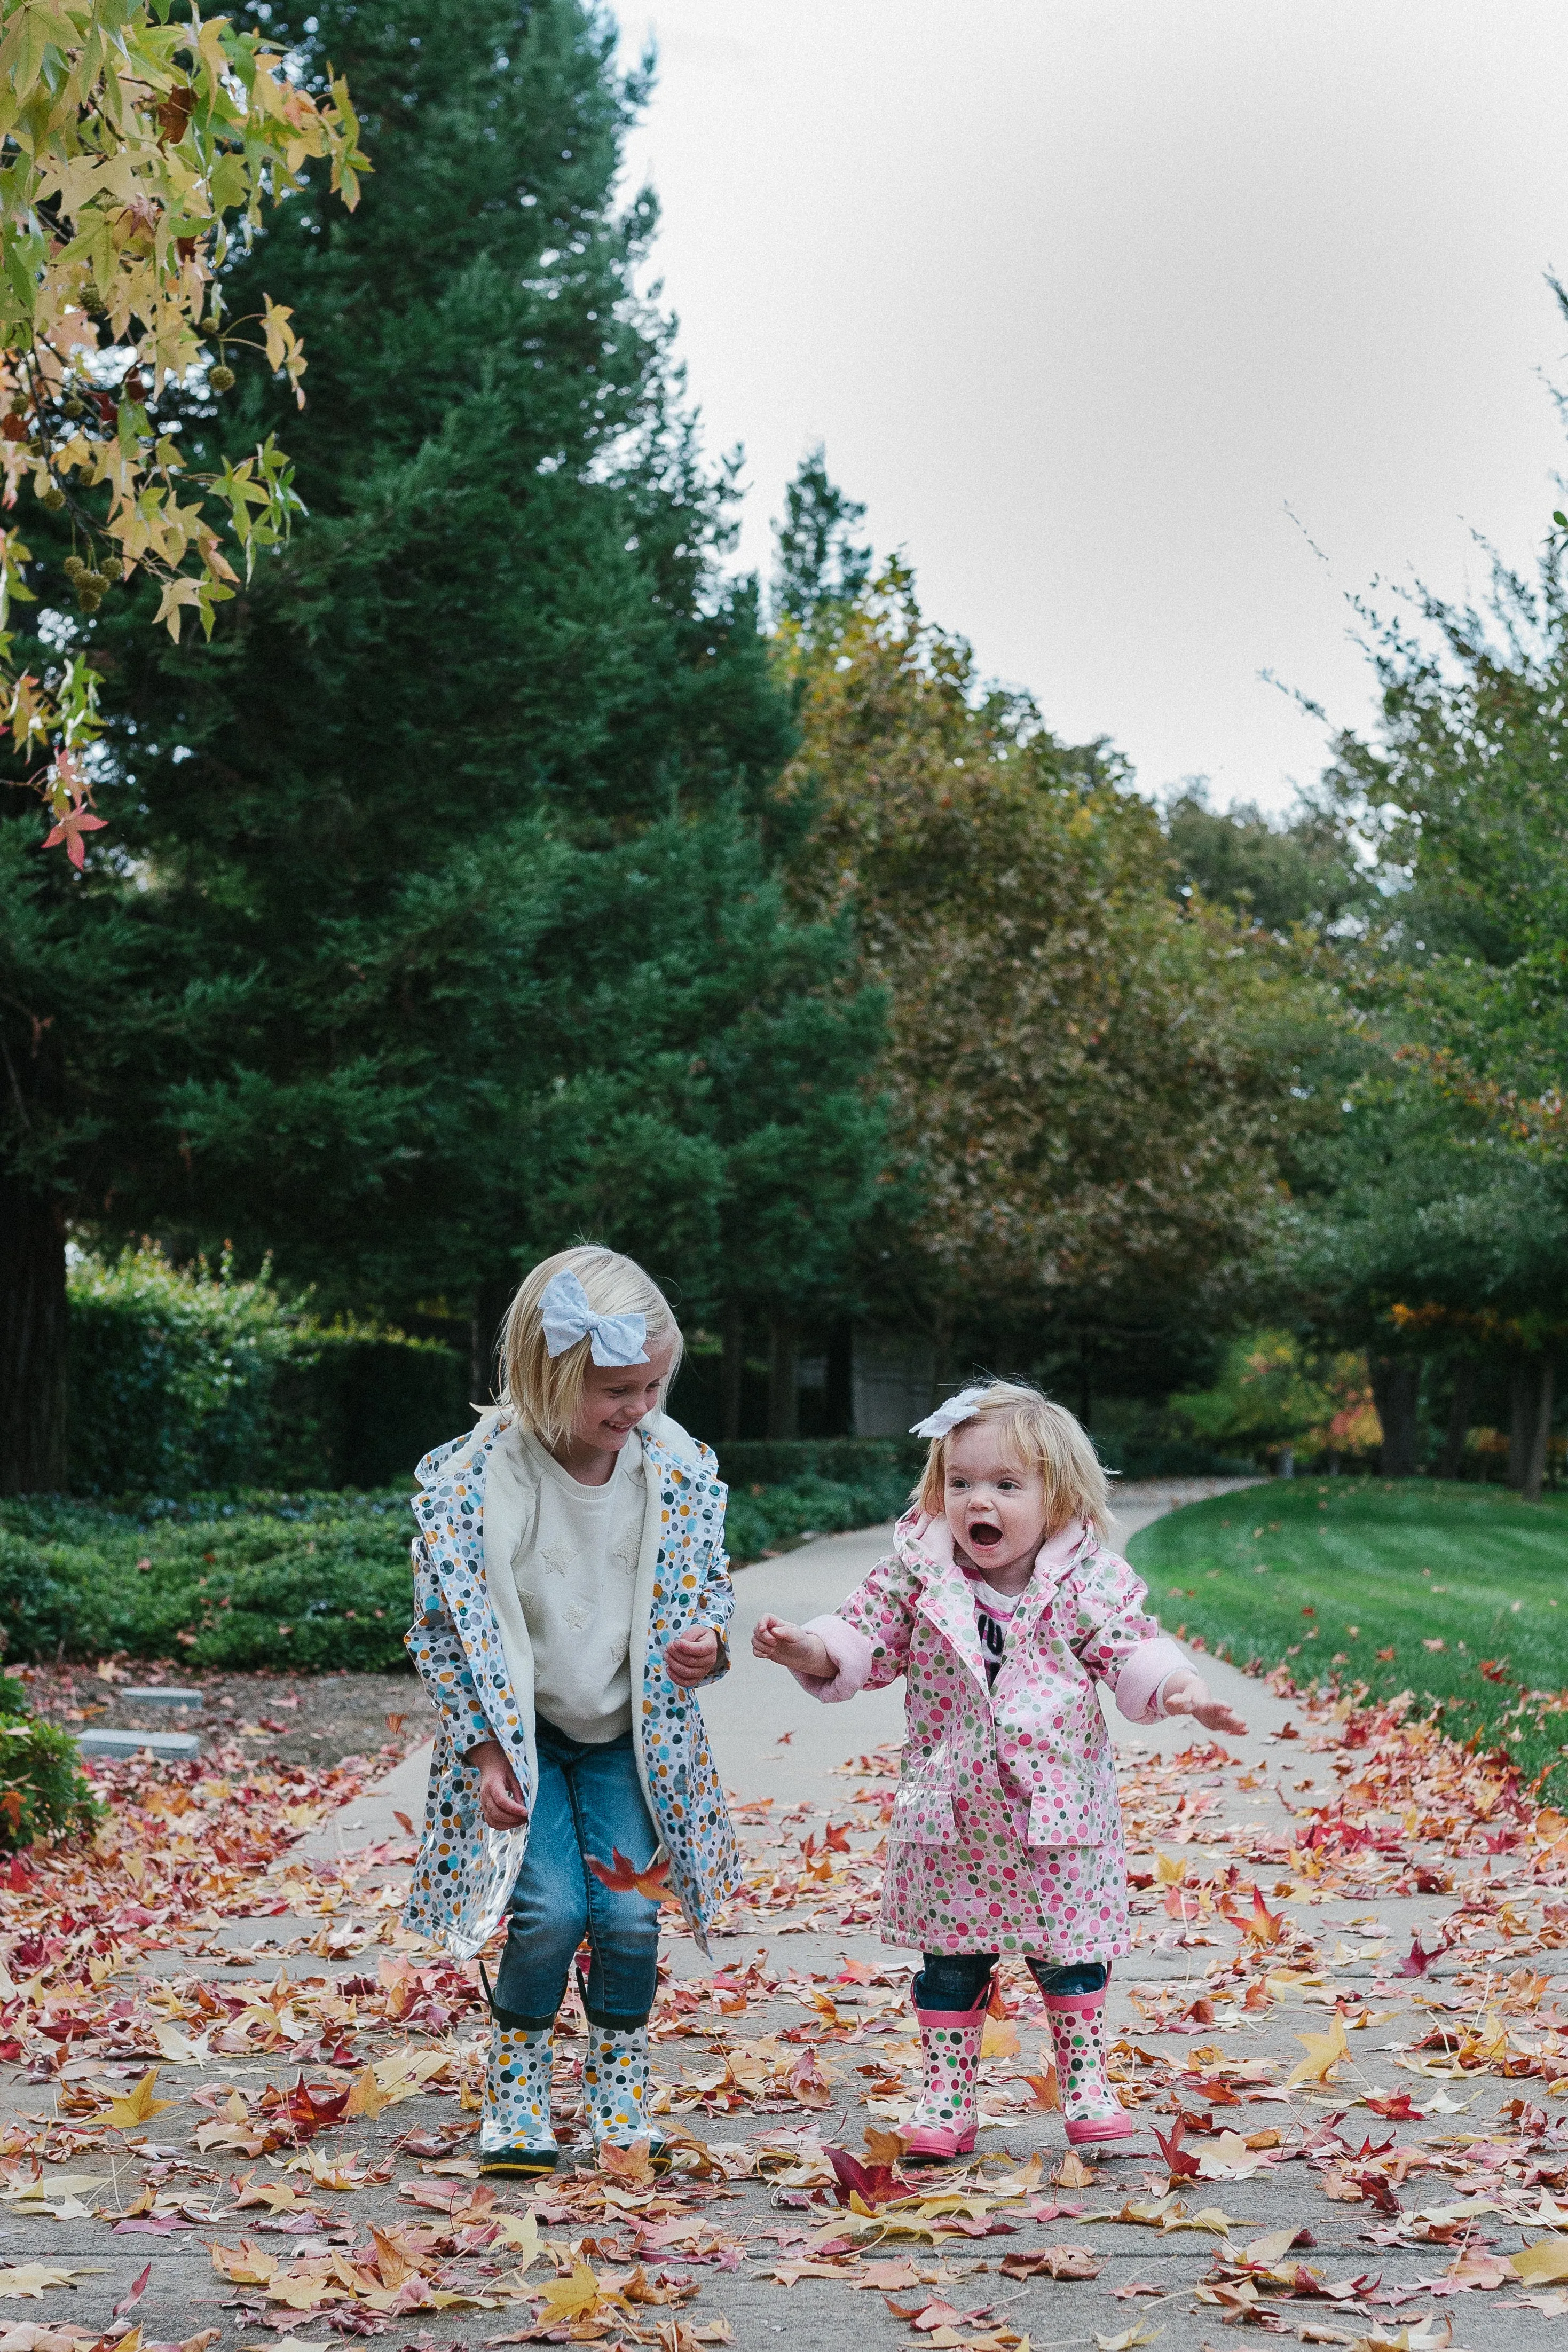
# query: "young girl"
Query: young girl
1003,1609
571,1593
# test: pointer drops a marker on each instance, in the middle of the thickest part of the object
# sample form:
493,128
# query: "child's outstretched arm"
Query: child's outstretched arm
1120,1644
862,1646
789,1645
1186,1693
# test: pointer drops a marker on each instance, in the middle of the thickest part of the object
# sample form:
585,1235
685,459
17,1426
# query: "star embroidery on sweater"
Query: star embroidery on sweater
624,1555
556,1557
577,1616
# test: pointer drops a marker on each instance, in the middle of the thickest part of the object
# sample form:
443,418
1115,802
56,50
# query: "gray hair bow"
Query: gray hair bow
567,1317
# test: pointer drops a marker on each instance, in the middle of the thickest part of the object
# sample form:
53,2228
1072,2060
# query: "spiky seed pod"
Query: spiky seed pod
221,379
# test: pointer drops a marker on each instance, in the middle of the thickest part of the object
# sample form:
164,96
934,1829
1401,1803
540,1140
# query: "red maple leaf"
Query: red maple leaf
69,829
1417,1962
622,1875
874,2183
1395,2108
308,2110
1178,2164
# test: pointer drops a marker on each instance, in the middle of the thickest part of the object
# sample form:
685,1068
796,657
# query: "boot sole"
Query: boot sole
520,2161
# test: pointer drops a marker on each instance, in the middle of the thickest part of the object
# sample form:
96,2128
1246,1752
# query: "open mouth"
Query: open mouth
984,1537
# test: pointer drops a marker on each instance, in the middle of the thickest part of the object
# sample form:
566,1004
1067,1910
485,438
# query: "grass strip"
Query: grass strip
1458,1593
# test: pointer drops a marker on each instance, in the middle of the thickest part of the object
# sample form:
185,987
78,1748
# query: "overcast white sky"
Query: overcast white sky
1088,297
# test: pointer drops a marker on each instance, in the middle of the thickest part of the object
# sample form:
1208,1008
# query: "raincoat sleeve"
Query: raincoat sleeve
433,1642
867,1640
1116,1641
715,1603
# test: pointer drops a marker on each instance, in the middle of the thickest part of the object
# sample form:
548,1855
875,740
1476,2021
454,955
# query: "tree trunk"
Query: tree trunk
491,1300
732,1370
1541,1436
840,1400
33,1398
1524,1384
1459,1410
1396,1392
783,1394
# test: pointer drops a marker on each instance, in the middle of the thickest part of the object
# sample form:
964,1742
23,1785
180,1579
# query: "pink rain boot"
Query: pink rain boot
1094,2114
946,2115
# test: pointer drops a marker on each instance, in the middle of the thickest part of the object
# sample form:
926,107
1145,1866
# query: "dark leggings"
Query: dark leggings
955,1981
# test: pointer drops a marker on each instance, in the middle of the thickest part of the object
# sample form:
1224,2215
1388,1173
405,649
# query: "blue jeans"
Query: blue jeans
590,1801
953,1980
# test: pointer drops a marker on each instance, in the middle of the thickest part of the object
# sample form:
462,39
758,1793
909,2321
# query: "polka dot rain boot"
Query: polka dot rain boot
615,2087
946,2115
515,2133
1094,2114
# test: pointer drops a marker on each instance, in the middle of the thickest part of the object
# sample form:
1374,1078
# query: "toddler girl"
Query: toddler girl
1003,1609
571,1593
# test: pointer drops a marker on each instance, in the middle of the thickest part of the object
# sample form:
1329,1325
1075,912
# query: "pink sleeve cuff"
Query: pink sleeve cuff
1139,1682
852,1657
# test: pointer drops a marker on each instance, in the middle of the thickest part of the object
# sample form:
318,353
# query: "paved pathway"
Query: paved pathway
775,1742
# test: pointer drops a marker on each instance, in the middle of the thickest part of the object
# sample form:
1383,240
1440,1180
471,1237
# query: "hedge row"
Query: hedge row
185,1380
303,1581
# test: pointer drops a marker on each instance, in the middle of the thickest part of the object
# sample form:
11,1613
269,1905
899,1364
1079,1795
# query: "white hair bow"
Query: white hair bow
947,1416
567,1317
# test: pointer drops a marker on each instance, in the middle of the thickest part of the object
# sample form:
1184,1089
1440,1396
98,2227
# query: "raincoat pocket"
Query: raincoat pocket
1063,1817
923,1816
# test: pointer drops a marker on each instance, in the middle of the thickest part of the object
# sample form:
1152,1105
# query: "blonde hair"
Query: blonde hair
1040,1436
546,1391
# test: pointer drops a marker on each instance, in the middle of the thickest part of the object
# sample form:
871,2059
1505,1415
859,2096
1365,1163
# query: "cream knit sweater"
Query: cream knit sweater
566,1556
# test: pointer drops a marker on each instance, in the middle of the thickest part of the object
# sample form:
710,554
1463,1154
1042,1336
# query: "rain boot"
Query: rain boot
1094,2114
515,2133
946,2115
616,2087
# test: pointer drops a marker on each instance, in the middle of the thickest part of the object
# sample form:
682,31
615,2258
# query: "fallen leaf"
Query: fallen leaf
138,2107
1324,2053
366,2097
31,2279
1128,2338
1543,2263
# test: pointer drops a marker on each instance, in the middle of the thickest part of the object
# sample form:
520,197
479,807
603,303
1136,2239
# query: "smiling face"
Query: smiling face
615,1398
994,1507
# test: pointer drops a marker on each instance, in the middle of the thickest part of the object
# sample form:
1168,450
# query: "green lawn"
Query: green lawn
1323,1575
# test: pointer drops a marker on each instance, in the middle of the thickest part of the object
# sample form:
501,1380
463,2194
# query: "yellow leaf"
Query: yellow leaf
571,2298
138,2107
521,2237
365,2098
1000,2038
1128,2338
1168,1873
1324,2052
1545,2260
30,2279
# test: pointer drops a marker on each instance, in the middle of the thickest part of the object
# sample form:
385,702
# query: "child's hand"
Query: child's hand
785,1645
692,1657
1189,1694
501,1799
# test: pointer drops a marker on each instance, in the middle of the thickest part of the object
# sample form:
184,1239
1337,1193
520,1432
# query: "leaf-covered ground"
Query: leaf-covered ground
1456,1593
1340,2028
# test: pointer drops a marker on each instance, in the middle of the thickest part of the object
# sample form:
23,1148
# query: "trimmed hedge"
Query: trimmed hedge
303,1582
183,1380
872,1462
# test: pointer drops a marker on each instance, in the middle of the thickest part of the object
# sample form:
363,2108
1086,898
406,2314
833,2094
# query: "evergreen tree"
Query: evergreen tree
333,994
